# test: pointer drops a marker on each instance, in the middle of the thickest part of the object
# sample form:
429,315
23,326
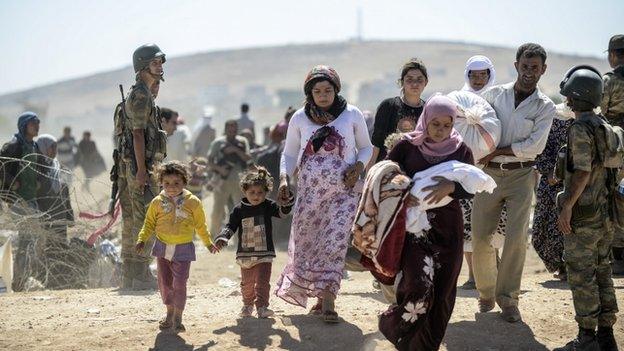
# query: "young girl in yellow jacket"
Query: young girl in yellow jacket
174,215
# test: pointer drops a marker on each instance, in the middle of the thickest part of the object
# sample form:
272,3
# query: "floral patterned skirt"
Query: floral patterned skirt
322,220
547,239
425,294
498,240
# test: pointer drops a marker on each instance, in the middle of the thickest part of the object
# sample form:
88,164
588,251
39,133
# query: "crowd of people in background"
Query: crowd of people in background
314,166
41,184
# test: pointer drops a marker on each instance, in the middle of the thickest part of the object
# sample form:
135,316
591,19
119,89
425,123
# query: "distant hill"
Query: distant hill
269,78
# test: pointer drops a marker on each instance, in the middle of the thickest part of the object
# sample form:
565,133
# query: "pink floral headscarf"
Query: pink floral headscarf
436,106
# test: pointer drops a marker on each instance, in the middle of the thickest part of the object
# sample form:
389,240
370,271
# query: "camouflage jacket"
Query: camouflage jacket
612,105
142,113
583,155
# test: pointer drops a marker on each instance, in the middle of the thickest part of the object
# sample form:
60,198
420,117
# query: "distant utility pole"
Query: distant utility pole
358,36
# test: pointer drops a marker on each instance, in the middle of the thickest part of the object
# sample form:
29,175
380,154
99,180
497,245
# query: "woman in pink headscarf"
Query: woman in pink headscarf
431,262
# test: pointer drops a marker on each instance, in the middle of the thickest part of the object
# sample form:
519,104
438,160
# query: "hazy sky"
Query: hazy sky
48,41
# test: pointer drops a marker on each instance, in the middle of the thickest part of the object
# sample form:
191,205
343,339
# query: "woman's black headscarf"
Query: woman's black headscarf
316,114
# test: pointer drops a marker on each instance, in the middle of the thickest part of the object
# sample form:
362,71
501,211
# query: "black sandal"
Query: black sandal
179,328
330,317
164,324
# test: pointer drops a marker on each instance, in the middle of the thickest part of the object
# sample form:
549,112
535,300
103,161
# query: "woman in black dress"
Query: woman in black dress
430,261
547,239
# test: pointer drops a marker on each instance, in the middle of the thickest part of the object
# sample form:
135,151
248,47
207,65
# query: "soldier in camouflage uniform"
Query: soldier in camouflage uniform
143,145
612,107
123,193
584,216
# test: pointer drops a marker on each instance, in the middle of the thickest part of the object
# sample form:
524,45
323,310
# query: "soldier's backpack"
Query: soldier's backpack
610,154
122,134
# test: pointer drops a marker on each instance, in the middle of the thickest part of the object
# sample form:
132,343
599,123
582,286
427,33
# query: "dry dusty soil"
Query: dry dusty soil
109,319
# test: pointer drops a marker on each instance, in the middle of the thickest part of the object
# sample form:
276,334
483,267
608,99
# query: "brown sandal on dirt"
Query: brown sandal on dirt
330,317
164,324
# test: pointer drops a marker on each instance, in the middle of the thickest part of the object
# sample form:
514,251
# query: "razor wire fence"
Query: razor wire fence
49,232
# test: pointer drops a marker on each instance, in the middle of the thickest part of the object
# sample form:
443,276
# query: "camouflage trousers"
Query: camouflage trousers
618,237
586,254
134,200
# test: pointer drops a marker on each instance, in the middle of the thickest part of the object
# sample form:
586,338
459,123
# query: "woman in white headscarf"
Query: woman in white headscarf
48,147
479,74
54,201
53,192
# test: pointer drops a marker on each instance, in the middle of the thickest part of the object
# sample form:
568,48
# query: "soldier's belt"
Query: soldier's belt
510,165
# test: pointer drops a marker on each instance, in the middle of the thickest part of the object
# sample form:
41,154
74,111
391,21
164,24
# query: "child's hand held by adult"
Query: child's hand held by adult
352,173
283,191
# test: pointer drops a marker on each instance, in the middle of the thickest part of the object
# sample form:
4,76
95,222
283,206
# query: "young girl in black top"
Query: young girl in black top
251,220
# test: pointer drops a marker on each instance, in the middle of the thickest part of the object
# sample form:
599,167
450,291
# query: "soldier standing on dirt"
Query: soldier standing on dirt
586,212
142,145
612,107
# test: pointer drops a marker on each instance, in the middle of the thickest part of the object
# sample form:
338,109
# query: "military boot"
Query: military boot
585,341
617,267
606,340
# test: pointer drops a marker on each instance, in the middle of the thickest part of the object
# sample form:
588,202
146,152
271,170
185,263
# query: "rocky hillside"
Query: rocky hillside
270,78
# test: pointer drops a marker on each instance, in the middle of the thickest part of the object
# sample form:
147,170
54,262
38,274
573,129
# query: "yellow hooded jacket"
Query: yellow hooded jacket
175,222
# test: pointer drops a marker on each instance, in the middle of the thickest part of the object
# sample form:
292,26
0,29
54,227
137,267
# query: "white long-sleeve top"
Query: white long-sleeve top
350,125
525,128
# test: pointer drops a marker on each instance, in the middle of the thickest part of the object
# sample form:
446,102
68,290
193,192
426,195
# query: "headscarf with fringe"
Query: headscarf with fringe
316,114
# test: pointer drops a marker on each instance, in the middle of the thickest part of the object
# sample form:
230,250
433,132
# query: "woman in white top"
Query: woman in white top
327,146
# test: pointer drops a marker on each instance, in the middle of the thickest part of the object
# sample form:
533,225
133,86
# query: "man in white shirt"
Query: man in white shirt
178,143
526,115
66,149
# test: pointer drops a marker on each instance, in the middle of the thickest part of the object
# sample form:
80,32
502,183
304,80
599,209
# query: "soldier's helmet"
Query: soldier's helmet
144,54
583,84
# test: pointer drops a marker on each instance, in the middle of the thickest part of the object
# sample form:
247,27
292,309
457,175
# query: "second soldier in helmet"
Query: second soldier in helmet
586,214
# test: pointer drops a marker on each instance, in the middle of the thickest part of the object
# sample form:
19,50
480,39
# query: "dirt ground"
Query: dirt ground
109,319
